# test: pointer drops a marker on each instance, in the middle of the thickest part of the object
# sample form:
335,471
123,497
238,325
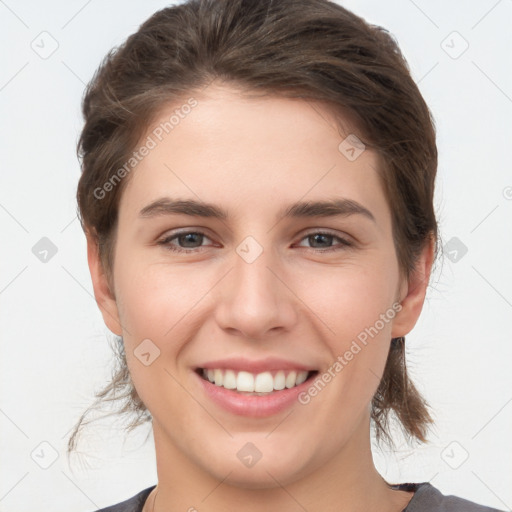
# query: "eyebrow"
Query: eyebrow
305,209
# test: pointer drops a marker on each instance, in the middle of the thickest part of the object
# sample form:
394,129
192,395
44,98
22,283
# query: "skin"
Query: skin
253,156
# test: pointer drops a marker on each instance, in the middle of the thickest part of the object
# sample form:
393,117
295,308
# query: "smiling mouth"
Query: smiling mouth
256,384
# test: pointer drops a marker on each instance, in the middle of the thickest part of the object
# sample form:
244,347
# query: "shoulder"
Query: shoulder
133,504
428,498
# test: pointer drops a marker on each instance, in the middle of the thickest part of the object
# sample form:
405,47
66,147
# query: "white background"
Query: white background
55,348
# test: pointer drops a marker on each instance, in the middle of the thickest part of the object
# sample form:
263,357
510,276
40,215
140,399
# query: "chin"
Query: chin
259,479
266,473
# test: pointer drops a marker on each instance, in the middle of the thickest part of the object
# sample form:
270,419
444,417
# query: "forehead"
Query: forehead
252,154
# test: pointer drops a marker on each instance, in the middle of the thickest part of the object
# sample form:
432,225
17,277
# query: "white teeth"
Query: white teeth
264,383
229,379
279,381
290,379
301,377
260,383
217,374
244,381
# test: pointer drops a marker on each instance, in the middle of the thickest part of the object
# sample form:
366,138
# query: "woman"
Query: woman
257,196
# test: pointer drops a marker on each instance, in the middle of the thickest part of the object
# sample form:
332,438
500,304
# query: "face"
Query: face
259,291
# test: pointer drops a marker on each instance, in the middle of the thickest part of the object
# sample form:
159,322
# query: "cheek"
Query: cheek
351,298
158,301
355,304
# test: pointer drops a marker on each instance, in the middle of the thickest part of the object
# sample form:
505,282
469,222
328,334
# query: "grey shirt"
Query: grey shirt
426,499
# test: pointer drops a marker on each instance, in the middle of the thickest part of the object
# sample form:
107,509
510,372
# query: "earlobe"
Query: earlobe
416,289
102,293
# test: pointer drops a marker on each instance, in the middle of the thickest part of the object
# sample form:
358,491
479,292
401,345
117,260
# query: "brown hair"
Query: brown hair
310,49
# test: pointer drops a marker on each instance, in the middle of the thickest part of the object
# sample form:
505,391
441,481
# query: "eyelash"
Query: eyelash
166,242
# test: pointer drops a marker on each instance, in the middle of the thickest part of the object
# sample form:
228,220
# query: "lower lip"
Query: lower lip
253,405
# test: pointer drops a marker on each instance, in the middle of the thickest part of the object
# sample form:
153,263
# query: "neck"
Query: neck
347,481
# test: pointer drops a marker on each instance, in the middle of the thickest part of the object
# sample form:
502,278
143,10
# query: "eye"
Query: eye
323,238
192,240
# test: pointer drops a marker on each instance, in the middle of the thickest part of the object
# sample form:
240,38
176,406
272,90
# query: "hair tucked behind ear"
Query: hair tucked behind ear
309,49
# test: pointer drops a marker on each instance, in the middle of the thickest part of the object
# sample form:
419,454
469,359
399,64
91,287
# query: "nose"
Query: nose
255,299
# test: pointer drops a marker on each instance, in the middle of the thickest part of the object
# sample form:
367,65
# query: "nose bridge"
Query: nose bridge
252,277
253,300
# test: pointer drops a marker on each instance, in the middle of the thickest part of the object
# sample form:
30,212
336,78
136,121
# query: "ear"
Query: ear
414,293
102,293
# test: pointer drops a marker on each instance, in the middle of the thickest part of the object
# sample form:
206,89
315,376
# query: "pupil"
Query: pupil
319,236
189,237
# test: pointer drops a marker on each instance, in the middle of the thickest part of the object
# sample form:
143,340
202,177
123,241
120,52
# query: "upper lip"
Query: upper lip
255,366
